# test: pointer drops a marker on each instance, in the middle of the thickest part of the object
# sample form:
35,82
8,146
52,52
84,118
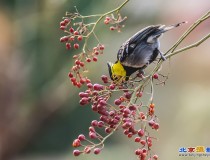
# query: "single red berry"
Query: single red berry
73,79
76,152
108,130
94,123
71,38
66,20
64,39
70,75
77,62
91,129
143,142
71,30
117,102
155,76
92,135
79,84
137,139
82,81
129,135
76,143
127,95
87,150
156,126
81,137
89,85
149,144
106,22
88,60
83,94
68,46
108,18
112,28
82,64
95,49
95,59
96,53
62,27
79,38
151,123
155,157
112,87
104,78
127,111
100,124
62,23
87,80
96,150
141,132
97,87
76,46
101,47
138,152
139,94
76,33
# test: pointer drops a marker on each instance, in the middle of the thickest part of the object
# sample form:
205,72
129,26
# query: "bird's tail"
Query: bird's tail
167,28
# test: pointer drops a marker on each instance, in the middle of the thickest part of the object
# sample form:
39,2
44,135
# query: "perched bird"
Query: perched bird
138,52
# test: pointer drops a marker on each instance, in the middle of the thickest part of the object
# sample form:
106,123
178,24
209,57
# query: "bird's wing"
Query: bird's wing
128,47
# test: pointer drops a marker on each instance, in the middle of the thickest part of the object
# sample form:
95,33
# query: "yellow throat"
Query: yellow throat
118,70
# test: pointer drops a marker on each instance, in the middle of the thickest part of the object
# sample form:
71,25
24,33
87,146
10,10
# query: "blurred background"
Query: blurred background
39,110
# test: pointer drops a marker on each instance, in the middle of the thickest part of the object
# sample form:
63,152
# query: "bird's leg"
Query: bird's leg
162,56
141,71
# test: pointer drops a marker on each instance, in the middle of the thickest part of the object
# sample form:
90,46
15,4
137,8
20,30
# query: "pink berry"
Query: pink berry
112,28
68,46
76,143
88,60
76,46
76,32
95,59
141,132
94,123
71,30
155,157
92,135
143,142
79,38
101,47
112,87
96,150
70,75
155,76
81,137
62,23
76,152
137,139
117,102
62,27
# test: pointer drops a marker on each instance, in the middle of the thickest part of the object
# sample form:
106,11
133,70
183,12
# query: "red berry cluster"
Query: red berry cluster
76,32
115,23
76,74
118,114
74,35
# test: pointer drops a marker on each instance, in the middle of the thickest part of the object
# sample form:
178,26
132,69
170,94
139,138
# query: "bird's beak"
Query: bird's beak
110,64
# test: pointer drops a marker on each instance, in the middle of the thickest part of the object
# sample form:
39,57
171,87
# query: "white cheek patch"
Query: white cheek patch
150,39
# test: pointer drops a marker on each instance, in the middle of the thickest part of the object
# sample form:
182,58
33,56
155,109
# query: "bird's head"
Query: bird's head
116,71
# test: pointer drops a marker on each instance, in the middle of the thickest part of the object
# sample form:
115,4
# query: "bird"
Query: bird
138,52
